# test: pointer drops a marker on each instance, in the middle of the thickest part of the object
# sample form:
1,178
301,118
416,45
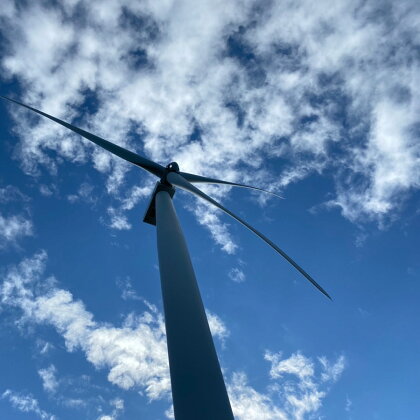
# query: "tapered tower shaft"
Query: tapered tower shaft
198,389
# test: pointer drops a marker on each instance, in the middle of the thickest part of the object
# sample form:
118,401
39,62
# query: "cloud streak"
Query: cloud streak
16,226
26,404
49,379
13,228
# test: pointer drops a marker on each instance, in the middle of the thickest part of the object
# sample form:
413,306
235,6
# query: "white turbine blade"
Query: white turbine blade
204,180
177,180
119,151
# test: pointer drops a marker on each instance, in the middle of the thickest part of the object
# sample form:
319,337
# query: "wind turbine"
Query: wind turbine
198,388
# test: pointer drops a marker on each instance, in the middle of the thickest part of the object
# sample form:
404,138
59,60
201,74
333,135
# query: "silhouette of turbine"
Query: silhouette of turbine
198,388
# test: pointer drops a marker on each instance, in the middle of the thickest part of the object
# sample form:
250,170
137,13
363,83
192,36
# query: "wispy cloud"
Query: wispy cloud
49,379
296,389
26,404
250,404
85,193
348,405
217,327
209,218
127,289
304,384
118,219
15,225
118,409
13,228
10,193
237,275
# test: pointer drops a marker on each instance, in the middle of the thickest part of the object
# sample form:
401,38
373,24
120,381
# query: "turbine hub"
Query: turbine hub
173,167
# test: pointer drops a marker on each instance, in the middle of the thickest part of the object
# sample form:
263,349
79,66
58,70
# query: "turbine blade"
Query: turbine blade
119,151
179,181
202,179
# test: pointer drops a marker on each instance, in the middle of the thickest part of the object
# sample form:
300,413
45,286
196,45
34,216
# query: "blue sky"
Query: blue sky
317,101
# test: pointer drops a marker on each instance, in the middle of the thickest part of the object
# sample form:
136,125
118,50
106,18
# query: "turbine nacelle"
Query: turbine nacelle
172,167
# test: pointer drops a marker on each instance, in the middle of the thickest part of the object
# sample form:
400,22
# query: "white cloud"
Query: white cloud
15,289
248,404
26,404
217,327
129,293
74,402
44,347
11,193
295,397
118,220
349,404
85,193
237,275
303,385
127,290
13,228
118,409
135,195
209,217
69,317
16,226
47,190
49,380
136,356
118,403
297,365
391,159
332,371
